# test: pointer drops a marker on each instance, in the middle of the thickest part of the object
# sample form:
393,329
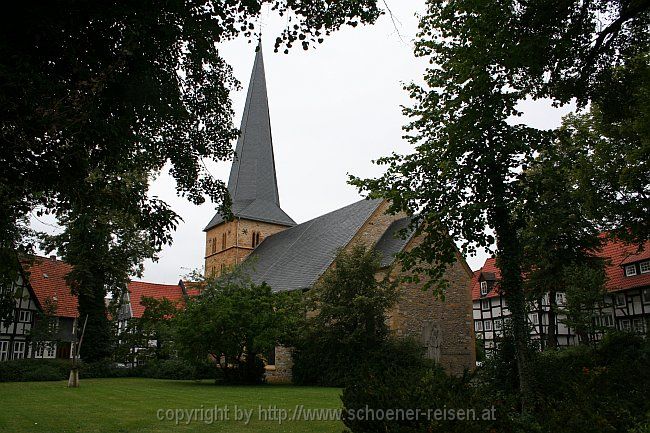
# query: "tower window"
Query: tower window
214,245
223,241
256,239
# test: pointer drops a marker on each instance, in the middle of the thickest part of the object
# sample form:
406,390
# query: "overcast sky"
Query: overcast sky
333,110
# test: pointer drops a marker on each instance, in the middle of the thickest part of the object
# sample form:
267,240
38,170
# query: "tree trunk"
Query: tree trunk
509,263
73,380
540,322
551,337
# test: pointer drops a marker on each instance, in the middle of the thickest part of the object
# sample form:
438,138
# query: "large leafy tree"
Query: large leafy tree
471,155
557,232
97,98
233,322
348,324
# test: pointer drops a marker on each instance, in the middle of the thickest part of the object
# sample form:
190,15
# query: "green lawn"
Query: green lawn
132,405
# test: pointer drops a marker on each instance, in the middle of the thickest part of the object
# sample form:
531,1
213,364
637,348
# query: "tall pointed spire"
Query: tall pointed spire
252,183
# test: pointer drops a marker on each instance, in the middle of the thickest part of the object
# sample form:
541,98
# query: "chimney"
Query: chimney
53,258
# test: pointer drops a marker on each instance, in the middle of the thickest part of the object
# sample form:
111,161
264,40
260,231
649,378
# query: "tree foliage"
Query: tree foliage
44,334
348,324
471,156
98,99
233,322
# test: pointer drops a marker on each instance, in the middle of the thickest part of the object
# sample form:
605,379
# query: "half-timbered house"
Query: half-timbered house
625,307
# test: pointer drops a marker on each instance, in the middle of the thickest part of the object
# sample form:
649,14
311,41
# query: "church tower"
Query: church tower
252,185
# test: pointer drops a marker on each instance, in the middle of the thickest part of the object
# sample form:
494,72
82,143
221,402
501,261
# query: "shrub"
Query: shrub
23,370
400,379
580,388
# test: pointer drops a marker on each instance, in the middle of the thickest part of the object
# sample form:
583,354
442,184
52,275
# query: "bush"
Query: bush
23,370
36,370
577,389
168,369
400,379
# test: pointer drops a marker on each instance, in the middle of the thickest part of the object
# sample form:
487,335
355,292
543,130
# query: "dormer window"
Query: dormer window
630,270
484,288
644,267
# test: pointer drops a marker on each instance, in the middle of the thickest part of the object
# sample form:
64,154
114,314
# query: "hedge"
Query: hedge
39,370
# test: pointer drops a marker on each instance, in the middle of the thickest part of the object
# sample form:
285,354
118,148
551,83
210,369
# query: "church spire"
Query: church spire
252,183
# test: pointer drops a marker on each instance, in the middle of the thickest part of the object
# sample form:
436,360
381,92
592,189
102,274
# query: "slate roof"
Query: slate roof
47,279
252,183
140,289
296,257
391,242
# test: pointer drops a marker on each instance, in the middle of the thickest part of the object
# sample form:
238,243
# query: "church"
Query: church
290,256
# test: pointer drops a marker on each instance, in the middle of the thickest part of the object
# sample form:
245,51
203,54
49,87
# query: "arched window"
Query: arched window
256,239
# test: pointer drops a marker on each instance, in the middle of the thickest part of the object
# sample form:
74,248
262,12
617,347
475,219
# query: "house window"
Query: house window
630,270
4,350
625,325
488,325
19,350
646,296
223,241
620,300
213,241
25,316
256,239
222,269
644,267
607,321
534,318
485,304
478,325
484,288
560,298
51,350
638,325
498,324
38,353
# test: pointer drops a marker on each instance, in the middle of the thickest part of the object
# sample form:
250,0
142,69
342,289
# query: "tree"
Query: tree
96,100
557,233
156,324
470,155
45,332
585,291
350,307
233,322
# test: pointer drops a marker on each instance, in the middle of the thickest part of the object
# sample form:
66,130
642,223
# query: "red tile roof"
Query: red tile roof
47,278
617,252
490,265
140,289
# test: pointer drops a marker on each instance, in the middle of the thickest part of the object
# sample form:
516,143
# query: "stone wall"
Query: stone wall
444,328
239,242
280,372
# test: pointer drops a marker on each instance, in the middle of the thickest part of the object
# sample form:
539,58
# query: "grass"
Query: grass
132,405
